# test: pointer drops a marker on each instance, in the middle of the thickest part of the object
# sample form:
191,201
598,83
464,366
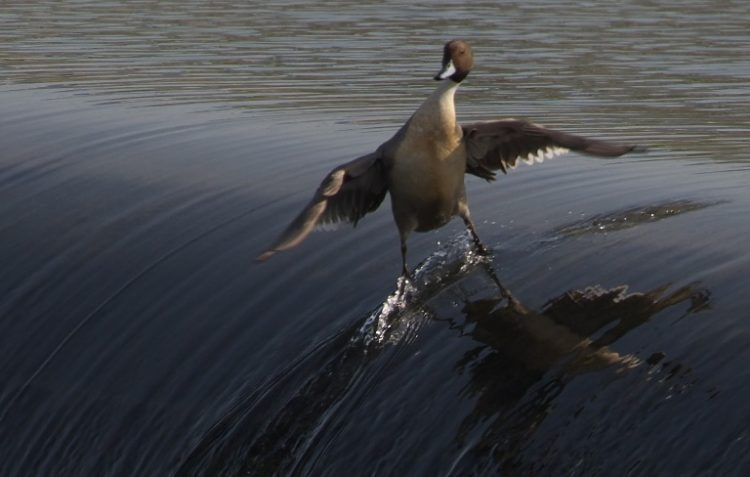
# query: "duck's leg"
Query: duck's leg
463,212
405,273
406,223
404,268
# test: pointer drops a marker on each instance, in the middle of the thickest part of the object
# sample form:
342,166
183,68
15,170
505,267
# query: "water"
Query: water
150,150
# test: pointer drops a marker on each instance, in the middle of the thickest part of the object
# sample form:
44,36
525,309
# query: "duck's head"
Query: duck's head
457,61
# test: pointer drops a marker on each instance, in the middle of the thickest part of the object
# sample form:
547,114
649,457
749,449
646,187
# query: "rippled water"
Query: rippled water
149,150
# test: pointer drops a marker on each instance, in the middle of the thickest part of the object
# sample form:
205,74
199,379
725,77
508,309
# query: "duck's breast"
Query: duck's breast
426,178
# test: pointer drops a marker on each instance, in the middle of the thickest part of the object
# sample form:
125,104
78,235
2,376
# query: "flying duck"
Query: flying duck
423,165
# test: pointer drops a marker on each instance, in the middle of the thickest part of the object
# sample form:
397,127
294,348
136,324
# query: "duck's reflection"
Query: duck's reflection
523,360
576,326
526,357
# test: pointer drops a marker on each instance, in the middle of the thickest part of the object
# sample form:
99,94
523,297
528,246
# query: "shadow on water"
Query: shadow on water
521,361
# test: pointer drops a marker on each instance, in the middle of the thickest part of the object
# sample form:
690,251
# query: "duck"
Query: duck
424,165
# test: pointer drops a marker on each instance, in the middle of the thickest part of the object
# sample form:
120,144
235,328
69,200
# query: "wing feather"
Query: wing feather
346,194
499,145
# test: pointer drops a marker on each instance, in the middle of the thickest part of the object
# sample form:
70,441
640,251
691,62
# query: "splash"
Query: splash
402,311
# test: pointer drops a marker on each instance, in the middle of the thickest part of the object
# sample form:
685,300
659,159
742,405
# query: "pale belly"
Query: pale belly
425,193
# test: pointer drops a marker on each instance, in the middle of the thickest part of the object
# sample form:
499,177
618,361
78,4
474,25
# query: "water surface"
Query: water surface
150,150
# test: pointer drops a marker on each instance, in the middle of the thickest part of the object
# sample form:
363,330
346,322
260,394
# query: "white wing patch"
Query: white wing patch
542,154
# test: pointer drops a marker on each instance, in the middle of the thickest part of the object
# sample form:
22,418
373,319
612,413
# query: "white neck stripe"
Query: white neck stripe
449,70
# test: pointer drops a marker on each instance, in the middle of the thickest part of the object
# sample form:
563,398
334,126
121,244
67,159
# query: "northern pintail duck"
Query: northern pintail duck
424,163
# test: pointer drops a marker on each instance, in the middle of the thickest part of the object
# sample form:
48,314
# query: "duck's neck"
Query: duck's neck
439,109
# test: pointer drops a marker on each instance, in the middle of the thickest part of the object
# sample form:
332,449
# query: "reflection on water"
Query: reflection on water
523,361
527,358
150,149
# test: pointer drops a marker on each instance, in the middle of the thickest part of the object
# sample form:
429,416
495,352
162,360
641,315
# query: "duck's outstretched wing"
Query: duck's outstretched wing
493,145
346,194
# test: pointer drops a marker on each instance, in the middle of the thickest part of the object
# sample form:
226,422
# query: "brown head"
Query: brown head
457,61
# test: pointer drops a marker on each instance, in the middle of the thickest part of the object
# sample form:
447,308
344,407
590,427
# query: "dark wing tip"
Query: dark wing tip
600,148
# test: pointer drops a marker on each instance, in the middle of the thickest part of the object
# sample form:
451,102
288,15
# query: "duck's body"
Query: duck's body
424,164
425,169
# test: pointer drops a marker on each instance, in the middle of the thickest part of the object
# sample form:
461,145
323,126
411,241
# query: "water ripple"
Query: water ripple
151,149
631,217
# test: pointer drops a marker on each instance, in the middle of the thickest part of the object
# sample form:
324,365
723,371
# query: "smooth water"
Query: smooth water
150,150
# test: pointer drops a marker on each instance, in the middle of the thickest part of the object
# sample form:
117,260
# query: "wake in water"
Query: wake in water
277,429
290,424
631,217
448,264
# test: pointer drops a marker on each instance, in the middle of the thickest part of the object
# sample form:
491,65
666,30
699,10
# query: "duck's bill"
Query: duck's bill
447,71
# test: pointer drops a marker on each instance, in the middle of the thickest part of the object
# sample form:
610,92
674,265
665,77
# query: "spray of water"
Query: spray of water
449,262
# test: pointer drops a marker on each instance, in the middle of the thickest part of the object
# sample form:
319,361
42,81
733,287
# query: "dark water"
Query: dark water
150,150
